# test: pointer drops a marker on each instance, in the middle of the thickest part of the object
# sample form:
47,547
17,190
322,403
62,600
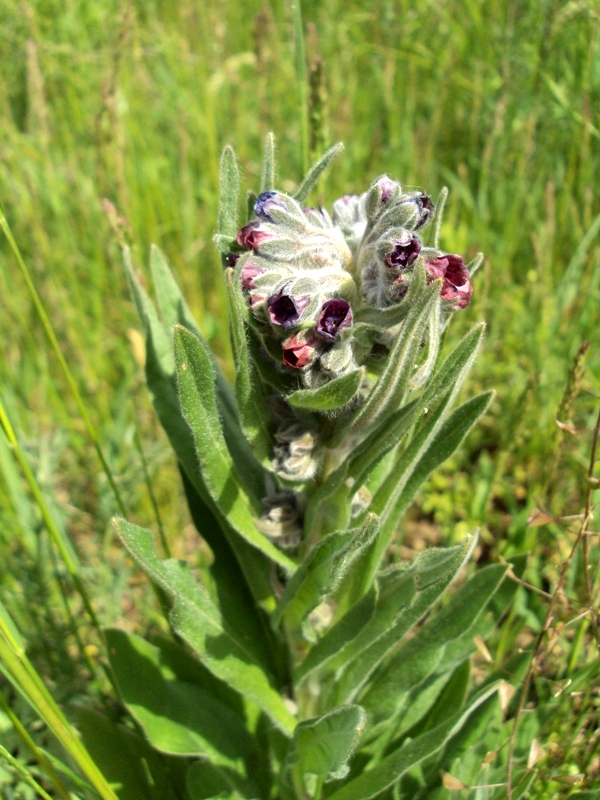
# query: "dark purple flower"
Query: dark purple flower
248,273
250,236
285,309
231,259
405,251
264,203
335,316
298,353
453,271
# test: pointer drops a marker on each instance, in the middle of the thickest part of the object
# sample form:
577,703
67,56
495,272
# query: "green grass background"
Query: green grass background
131,102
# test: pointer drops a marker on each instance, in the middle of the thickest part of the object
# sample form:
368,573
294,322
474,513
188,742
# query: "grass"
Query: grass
133,102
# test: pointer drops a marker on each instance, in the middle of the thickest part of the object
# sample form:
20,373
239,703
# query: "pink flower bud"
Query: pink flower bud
250,236
297,352
248,273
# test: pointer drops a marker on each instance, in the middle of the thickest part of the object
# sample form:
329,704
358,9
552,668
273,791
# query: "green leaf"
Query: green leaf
256,421
267,179
161,379
391,769
126,760
321,571
323,745
358,641
198,621
431,446
221,476
205,781
444,383
404,597
390,389
437,648
329,397
443,445
177,717
173,307
315,172
229,182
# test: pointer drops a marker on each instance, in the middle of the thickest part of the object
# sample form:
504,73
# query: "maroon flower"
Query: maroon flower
248,273
405,251
456,285
285,309
250,236
231,259
335,316
298,353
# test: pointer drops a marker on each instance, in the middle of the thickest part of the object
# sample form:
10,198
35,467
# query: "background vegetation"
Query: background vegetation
114,114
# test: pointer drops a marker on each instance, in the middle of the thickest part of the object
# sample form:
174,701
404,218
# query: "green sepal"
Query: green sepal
177,717
221,476
199,622
323,745
315,172
331,396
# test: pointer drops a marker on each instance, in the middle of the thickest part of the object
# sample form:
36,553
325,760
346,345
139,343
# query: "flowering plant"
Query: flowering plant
300,666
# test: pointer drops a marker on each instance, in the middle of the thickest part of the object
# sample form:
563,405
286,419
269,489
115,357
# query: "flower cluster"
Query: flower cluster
308,274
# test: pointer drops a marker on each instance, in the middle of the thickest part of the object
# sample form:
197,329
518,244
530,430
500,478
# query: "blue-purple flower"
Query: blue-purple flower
336,315
264,203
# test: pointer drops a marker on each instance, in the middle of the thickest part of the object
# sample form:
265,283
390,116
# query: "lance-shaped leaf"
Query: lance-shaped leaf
125,758
269,166
435,649
390,389
316,171
162,383
444,383
391,769
322,570
177,717
403,600
221,476
439,448
356,644
175,311
205,781
198,621
329,397
323,745
229,183
256,421
432,445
